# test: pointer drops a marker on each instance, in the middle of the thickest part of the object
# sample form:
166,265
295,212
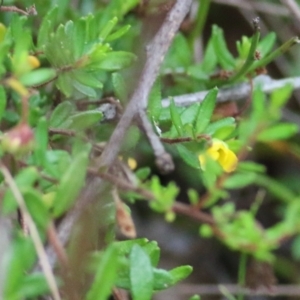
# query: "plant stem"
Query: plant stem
200,20
273,55
242,274
38,244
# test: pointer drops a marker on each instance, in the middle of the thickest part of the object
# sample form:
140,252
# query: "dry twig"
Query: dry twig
33,232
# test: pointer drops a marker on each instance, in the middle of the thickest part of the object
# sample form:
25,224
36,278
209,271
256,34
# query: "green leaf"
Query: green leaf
115,60
60,114
64,84
86,79
3,101
83,89
141,274
154,103
224,57
38,76
24,180
205,111
18,260
46,26
175,117
70,185
188,157
105,276
276,188
251,166
85,119
37,208
41,141
209,61
240,180
106,30
280,96
179,54
119,86
180,273
33,285
119,33
143,173
278,132
266,44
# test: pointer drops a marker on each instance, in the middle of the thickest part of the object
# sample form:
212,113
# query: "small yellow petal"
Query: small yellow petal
132,163
220,152
229,161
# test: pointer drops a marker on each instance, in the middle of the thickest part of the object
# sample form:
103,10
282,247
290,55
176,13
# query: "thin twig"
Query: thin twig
30,11
262,7
237,92
184,290
33,232
156,52
293,8
163,159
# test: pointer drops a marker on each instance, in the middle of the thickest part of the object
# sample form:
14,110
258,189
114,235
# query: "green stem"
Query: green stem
249,61
200,20
282,49
242,275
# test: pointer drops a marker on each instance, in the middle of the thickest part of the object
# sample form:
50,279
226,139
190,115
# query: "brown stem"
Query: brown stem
30,11
156,53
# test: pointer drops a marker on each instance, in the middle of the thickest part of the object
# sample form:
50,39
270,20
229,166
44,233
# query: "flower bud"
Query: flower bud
18,140
33,61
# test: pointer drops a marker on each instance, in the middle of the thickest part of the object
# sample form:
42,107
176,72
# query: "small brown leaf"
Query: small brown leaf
123,217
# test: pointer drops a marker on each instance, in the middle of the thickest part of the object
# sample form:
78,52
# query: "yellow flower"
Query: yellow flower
220,152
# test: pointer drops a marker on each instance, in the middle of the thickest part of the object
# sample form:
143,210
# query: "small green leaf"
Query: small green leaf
141,274
175,117
60,114
24,180
46,26
224,57
180,273
115,60
83,89
105,276
87,79
106,30
193,196
41,141
251,166
143,173
205,111
266,44
189,157
70,184
119,33
86,119
240,180
3,101
38,76
120,87
154,103
37,208
33,285
278,132
280,96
